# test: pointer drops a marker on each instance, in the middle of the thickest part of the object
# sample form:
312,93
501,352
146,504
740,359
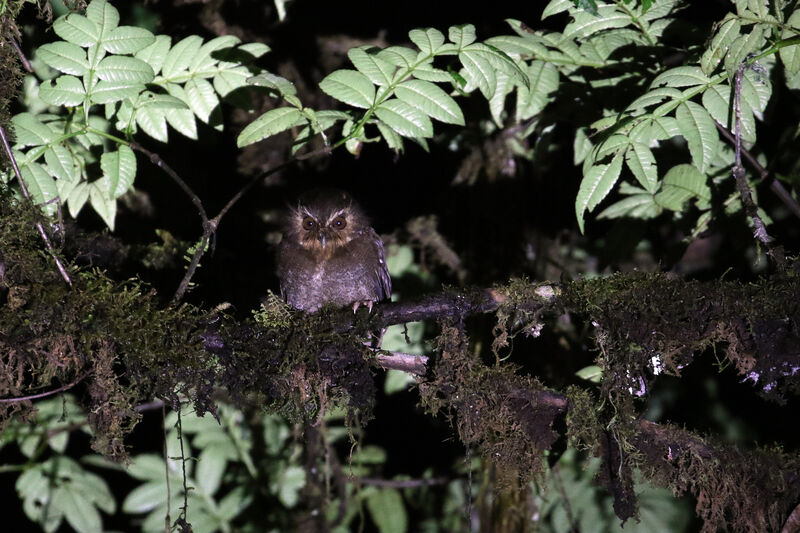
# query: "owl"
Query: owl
330,255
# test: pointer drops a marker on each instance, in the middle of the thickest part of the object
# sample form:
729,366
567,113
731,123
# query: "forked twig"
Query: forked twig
776,186
210,225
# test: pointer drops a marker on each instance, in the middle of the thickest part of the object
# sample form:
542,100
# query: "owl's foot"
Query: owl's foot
357,304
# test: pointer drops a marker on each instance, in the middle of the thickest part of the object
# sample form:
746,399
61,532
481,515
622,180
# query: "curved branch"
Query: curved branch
43,394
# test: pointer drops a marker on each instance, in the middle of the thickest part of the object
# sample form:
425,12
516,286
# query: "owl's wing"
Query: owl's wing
381,270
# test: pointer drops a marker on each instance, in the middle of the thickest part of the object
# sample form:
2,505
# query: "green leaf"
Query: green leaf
254,49
272,122
203,100
642,164
160,101
698,129
498,100
462,35
233,503
182,120
229,80
180,56
716,100
146,497
497,59
41,186
429,40
119,167
429,73
291,480
743,46
68,91
204,61
634,206
728,31
69,58
399,56
153,122
112,91
555,7
30,131
586,24
790,55
611,145
128,40
124,69
366,60
404,119
681,183
102,203
350,87
386,508
479,72
155,54
61,164
591,373
596,184
756,92
272,81
431,100
77,198
210,469
681,77
581,146
544,80
662,128
590,6
104,15
393,140
396,381
147,467
77,29
79,511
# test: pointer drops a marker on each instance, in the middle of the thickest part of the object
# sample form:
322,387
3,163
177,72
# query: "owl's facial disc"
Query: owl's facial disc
323,231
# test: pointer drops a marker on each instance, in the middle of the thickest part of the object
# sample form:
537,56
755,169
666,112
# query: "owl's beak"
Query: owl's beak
323,239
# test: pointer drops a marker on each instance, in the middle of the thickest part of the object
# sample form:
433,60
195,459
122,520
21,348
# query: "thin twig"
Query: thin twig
209,227
42,232
167,520
22,58
43,394
185,506
260,177
738,170
776,186
402,483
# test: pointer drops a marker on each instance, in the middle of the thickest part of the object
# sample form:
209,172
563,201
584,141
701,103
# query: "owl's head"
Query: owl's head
325,219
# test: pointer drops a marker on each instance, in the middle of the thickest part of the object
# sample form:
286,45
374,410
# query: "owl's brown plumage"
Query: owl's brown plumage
330,255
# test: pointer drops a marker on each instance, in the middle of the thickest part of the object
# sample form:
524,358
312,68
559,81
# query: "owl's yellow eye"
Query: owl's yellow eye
309,223
339,223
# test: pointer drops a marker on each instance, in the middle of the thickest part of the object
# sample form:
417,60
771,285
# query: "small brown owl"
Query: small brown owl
330,255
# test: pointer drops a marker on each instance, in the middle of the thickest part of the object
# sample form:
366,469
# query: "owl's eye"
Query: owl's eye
339,223
309,223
